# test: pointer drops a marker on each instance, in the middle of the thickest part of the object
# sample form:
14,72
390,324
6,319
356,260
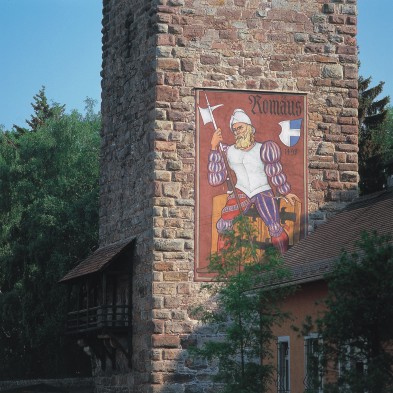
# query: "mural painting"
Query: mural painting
251,160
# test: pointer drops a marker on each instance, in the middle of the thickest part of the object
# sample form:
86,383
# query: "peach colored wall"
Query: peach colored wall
302,303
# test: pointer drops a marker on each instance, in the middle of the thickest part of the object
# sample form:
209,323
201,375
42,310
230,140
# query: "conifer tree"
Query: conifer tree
42,112
374,138
372,112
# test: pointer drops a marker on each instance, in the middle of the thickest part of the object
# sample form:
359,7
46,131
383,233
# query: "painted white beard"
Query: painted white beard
244,141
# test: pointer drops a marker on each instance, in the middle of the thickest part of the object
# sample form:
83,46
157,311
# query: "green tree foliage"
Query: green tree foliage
245,312
42,112
388,156
356,331
48,223
372,112
375,138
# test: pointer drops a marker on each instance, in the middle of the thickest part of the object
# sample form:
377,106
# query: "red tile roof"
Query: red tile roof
99,260
312,257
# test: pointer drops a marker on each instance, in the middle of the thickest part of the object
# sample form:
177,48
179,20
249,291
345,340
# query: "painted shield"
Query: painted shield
290,132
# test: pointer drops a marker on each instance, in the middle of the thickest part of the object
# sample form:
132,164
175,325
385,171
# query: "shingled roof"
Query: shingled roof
99,260
313,257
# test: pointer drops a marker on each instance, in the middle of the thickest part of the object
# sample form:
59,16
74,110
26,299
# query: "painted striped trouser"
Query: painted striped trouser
265,204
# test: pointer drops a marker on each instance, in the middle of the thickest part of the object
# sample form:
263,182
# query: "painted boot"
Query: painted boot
281,242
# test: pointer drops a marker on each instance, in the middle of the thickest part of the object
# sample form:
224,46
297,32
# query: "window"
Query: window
283,357
312,365
352,359
352,364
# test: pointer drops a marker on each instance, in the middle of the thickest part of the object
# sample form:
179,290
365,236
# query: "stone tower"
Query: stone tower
156,55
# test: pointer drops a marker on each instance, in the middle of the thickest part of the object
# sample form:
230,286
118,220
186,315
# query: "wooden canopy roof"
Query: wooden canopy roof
99,260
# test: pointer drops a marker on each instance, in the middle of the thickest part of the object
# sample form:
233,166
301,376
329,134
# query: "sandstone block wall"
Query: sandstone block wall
127,164
154,54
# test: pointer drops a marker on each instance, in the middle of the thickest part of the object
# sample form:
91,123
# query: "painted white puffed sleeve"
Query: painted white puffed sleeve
271,155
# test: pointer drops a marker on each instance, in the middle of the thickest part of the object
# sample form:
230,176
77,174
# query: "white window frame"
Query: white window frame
282,340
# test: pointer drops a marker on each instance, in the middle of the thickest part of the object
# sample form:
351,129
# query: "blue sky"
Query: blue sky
57,43
375,32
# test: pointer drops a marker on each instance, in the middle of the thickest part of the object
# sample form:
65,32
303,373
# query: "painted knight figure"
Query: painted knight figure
251,161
